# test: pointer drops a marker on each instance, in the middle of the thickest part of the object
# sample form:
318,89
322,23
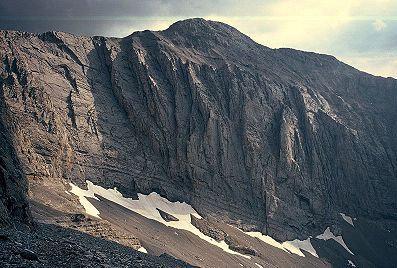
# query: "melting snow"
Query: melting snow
348,219
329,235
142,249
294,246
147,205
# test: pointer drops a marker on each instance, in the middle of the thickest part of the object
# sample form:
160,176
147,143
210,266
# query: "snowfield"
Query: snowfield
147,205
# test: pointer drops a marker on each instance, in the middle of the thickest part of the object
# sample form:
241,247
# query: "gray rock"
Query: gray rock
53,246
208,228
13,183
238,247
278,139
78,217
166,216
28,255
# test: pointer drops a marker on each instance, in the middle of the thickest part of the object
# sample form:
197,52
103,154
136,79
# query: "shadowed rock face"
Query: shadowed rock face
279,140
13,184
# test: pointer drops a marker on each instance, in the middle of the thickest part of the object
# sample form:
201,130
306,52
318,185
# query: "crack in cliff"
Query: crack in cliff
71,78
71,114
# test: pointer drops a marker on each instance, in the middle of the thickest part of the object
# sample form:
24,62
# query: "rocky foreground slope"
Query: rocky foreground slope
276,140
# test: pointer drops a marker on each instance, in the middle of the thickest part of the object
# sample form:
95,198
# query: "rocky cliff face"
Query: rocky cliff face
13,184
278,140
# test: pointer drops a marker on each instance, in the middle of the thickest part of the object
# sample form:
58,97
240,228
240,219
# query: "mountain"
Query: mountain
278,141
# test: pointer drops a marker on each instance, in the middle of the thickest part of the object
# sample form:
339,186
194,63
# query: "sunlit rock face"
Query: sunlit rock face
278,141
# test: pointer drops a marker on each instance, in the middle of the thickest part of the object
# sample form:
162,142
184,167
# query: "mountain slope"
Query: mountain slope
278,141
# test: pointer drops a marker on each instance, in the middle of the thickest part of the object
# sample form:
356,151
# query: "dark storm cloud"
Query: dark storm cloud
82,17
76,8
97,16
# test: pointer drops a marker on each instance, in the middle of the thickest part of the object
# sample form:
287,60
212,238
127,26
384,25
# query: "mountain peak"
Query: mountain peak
214,38
198,24
196,27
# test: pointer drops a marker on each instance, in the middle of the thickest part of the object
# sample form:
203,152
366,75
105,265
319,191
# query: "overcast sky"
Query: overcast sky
360,33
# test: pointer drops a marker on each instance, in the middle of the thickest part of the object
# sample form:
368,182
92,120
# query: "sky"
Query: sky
362,33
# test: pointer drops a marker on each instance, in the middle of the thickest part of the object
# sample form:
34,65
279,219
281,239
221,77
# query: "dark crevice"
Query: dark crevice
70,77
71,113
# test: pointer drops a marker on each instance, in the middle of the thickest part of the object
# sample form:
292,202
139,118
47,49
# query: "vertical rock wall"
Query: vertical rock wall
279,140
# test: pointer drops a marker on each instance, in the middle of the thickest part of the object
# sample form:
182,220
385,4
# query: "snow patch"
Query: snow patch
142,249
296,245
257,264
329,235
351,263
82,194
267,239
147,205
348,219
152,81
293,246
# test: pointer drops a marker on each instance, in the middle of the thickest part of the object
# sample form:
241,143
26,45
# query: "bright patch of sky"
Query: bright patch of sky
379,25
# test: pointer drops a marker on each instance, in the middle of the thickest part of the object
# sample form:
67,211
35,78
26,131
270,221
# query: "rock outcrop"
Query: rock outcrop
277,140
